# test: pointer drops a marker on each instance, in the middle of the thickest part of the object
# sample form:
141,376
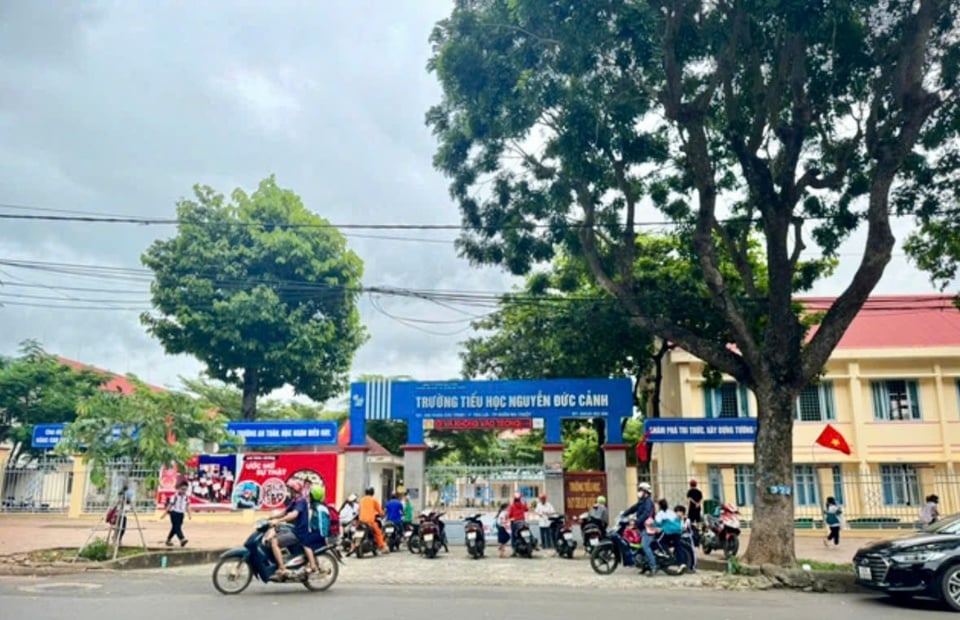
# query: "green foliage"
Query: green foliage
146,419
97,550
228,400
391,434
259,289
35,388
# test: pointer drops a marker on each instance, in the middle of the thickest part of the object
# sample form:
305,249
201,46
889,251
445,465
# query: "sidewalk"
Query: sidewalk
24,533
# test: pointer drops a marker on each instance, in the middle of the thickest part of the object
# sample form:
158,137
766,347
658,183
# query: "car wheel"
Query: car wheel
950,587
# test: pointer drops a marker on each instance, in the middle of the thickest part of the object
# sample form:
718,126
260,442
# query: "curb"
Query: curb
833,582
152,559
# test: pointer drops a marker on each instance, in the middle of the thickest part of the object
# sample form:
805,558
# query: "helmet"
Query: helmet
295,485
543,497
369,491
517,496
601,499
352,498
644,486
693,483
318,493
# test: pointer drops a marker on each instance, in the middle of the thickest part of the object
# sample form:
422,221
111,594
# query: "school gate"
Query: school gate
544,403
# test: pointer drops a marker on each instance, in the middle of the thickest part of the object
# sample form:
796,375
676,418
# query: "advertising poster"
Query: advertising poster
262,482
210,481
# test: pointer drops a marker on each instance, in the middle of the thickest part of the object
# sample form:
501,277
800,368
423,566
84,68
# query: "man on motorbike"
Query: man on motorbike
517,514
394,510
644,511
370,509
599,512
297,514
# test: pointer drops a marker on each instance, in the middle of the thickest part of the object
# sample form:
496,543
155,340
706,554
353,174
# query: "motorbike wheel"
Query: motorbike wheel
430,552
232,575
414,544
359,551
732,547
570,553
329,571
604,560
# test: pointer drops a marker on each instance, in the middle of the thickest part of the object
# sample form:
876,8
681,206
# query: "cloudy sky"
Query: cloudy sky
120,107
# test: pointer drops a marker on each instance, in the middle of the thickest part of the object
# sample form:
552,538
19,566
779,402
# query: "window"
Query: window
901,486
727,401
715,481
815,403
838,484
806,490
743,480
895,400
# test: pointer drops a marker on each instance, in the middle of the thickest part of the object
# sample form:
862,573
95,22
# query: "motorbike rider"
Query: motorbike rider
644,511
394,510
370,509
599,512
349,510
297,514
517,514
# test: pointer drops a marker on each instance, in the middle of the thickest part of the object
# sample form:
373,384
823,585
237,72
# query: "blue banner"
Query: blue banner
544,398
286,432
700,430
49,435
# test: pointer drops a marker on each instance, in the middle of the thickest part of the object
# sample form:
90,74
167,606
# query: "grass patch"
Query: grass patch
826,566
96,551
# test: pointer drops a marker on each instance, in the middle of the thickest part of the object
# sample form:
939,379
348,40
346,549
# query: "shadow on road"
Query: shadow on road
913,604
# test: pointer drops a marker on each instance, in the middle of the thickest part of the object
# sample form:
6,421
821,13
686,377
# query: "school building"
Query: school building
892,390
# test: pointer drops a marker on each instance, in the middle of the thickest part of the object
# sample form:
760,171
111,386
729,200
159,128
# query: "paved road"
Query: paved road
188,593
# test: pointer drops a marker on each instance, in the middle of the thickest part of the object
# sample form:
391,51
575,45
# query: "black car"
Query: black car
924,564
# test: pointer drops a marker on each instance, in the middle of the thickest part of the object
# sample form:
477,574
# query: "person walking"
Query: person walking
831,516
503,522
177,507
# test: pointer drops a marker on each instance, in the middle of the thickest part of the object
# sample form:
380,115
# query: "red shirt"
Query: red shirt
518,511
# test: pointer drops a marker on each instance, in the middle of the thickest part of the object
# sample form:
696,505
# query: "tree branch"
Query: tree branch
798,245
741,258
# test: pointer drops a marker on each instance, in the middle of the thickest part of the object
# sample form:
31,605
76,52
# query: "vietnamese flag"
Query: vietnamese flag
642,451
832,439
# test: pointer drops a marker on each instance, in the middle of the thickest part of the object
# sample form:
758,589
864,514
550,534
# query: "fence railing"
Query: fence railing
480,486
41,485
101,493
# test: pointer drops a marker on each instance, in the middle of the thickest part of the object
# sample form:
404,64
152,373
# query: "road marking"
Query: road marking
62,586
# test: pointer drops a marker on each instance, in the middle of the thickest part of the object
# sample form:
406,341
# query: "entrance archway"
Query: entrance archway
545,403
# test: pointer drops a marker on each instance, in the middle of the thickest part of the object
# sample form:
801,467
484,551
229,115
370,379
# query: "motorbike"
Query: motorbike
525,543
237,567
363,540
615,550
346,541
411,534
592,530
562,537
722,531
432,536
392,535
473,531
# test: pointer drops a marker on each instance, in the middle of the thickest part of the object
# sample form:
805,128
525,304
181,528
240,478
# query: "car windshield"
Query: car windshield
949,525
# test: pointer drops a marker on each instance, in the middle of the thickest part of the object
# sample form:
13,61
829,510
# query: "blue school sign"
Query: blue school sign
693,430
550,400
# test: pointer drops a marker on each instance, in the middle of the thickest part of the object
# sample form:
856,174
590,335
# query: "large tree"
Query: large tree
789,118
228,400
36,388
259,289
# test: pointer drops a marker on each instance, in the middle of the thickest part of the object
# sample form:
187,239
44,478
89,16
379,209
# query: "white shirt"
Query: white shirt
349,512
178,503
545,509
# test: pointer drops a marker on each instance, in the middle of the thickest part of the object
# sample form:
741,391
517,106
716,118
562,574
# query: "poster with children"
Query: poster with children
210,480
262,481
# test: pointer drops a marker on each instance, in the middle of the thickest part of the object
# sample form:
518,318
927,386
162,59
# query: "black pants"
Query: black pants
176,526
834,534
122,526
546,537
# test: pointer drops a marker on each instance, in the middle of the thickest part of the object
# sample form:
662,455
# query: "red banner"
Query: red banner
445,424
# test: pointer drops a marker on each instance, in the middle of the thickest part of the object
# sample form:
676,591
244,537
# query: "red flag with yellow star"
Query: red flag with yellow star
832,439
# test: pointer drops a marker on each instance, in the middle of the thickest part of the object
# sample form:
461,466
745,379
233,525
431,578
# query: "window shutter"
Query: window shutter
743,401
826,398
708,402
914,399
881,400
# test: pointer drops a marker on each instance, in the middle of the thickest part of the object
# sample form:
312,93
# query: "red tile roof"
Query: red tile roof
898,322
113,383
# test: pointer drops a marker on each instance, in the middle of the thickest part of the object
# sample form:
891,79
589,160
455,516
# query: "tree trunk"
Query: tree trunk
771,532
251,386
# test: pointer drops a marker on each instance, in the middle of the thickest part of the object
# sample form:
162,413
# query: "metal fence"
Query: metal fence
103,491
890,498
39,485
480,486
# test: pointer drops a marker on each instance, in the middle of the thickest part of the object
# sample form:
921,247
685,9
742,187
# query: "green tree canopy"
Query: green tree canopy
260,290
228,400
561,122
36,388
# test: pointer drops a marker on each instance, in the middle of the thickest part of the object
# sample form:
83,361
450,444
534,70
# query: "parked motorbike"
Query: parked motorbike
473,531
411,534
392,535
525,543
432,537
592,530
363,540
346,540
722,531
615,550
562,537
237,567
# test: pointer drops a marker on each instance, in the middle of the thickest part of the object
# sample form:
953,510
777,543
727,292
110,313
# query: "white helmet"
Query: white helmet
645,486
352,498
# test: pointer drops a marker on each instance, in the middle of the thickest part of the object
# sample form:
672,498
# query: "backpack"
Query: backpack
671,526
334,516
319,519
112,516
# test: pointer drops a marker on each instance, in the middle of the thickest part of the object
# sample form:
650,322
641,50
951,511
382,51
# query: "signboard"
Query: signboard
697,430
473,424
580,491
285,432
559,398
49,435
210,485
